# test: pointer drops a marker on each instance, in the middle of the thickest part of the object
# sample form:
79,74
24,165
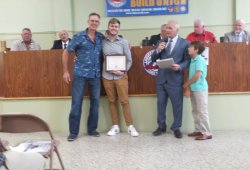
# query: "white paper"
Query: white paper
205,55
116,63
165,63
32,146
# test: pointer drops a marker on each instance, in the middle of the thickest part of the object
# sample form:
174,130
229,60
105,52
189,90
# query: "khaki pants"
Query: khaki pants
118,89
199,102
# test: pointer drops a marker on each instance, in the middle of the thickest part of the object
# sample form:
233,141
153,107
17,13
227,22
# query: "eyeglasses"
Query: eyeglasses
94,21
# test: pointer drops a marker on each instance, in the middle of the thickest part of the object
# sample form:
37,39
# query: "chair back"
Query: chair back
27,123
22,123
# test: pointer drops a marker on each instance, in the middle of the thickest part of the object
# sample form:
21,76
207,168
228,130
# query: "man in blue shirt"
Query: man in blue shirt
87,45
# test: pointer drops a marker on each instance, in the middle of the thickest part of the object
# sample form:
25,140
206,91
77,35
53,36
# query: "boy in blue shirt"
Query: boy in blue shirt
199,91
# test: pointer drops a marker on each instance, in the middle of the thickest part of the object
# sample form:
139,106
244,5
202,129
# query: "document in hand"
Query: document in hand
165,63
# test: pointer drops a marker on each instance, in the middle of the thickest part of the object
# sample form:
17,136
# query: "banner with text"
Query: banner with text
124,8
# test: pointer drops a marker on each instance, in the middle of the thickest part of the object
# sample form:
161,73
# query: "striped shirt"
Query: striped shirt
117,47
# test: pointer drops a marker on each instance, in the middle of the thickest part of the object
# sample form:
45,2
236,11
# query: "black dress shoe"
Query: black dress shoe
72,137
178,134
94,134
159,132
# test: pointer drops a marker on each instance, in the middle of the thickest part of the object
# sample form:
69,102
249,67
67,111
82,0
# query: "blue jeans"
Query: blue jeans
78,90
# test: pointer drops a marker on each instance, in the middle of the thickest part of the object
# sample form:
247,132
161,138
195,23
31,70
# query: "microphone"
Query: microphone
161,41
166,42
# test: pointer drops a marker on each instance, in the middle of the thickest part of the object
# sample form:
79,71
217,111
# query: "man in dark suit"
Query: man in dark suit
170,80
63,42
155,38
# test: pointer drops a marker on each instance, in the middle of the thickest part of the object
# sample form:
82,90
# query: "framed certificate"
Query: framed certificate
115,62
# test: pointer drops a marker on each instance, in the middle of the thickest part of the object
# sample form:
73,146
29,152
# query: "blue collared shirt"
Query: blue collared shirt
88,54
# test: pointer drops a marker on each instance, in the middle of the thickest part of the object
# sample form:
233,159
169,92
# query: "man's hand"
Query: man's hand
118,73
66,77
186,84
186,90
175,67
161,46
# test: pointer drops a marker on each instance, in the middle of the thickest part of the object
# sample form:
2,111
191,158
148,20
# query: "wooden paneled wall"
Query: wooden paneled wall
33,74
39,73
229,67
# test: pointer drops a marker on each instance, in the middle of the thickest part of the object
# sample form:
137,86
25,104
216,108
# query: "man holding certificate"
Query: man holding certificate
170,80
117,61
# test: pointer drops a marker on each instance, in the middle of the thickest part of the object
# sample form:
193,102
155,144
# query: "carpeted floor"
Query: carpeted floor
228,150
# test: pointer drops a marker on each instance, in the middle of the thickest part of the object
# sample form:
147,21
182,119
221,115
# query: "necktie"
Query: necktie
237,37
64,46
169,47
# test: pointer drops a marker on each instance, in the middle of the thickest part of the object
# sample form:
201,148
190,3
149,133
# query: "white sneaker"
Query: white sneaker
114,130
132,131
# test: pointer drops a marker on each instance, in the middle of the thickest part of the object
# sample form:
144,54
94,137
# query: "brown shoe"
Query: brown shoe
195,134
203,137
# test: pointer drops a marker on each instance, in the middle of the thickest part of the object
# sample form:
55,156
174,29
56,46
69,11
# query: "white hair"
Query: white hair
63,31
177,26
199,21
163,26
241,21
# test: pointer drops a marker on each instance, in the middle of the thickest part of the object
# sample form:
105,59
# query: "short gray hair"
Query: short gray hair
199,21
62,31
241,21
175,23
163,26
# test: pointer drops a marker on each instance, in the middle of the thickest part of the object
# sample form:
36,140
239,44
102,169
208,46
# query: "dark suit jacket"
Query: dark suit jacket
154,39
58,44
180,56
